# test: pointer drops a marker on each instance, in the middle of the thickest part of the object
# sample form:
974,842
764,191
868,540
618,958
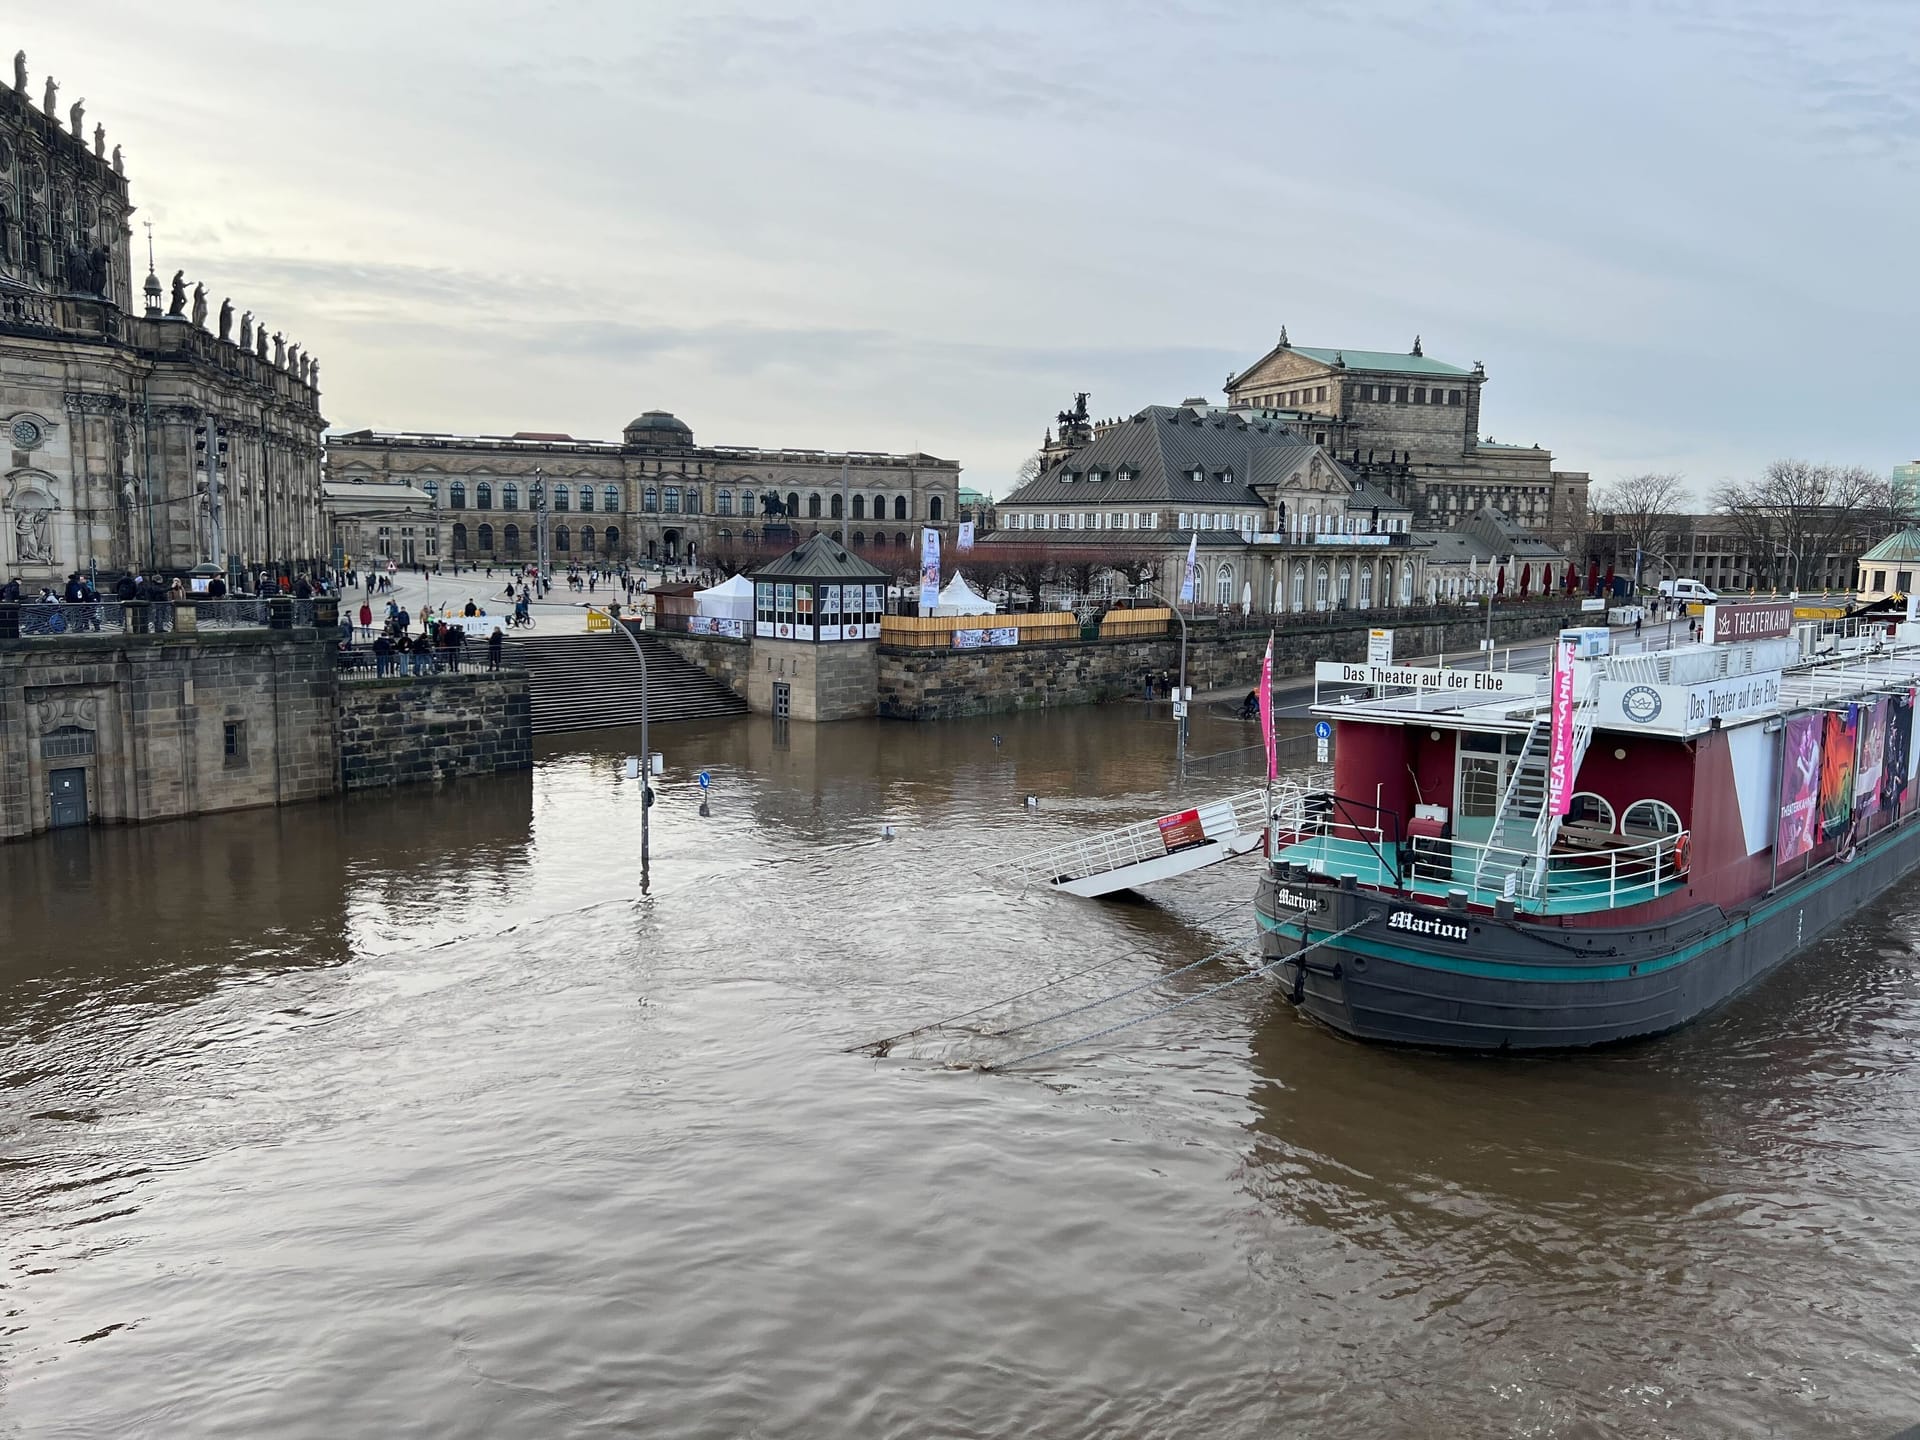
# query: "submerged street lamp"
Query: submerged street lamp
646,754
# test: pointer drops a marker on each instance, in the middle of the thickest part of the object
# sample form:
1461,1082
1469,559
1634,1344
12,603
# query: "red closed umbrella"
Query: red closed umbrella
1609,579
1573,578
1593,577
1526,574
1500,582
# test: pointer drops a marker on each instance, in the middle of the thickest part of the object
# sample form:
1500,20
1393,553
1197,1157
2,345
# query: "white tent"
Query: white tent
729,600
959,599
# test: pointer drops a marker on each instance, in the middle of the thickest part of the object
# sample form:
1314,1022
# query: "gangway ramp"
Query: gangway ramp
1151,850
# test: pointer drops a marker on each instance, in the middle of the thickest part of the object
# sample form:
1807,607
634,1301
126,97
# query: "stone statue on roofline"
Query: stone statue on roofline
199,306
226,319
76,117
19,72
51,101
246,331
279,351
177,306
119,166
99,142
260,342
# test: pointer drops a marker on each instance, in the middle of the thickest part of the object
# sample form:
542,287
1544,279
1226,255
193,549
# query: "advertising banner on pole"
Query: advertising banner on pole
1186,579
1894,778
1873,755
966,534
929,570
1837,744
1266,710
1560,761
1799,787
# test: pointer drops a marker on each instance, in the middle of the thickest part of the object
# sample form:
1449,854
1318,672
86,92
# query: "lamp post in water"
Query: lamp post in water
1179,713
646,755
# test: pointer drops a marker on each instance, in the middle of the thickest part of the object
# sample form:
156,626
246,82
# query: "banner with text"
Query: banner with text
1487,683
1799,787
1560,757
929,570
1838,741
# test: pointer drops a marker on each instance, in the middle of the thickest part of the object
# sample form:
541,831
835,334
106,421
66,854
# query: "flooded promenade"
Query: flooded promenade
408,1117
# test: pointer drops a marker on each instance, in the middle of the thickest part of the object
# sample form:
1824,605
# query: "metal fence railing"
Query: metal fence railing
230,614
80,618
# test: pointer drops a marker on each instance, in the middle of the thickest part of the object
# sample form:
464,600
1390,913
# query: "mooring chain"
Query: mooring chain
1193,999
1121,994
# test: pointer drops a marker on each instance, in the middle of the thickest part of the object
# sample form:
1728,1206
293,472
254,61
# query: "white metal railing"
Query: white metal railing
1569,879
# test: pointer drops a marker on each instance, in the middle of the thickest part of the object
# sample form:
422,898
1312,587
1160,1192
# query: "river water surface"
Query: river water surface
406,1116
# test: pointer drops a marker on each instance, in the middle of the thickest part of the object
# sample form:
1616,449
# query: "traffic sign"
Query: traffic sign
705,779
1323,730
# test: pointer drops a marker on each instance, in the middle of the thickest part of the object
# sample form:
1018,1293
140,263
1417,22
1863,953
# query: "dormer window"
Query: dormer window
1126,473
1198,475
1094,477
1067,477
1226,477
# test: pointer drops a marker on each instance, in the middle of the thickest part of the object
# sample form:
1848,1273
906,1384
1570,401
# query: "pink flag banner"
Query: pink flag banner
1560,761
1266,711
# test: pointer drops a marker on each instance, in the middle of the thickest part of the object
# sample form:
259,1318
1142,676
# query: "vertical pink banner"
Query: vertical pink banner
1560,763
1266,711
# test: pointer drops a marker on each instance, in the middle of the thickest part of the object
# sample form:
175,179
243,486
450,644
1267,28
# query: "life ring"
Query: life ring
1681,847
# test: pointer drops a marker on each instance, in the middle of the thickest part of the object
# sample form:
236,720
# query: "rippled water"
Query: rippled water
407,1117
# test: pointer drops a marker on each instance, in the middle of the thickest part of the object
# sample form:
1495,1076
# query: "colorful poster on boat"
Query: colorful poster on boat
1895,777
1873,755
1838,753
1266,711
1560,756
1800,787
1182,831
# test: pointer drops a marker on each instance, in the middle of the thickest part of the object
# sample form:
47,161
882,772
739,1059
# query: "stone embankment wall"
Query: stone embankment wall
940,684
724,658
405,730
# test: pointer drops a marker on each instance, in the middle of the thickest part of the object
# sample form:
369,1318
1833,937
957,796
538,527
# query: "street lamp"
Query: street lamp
646,755
1180,718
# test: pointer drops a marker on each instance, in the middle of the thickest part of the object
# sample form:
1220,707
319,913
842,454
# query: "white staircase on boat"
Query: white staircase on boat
1135,855
1524,828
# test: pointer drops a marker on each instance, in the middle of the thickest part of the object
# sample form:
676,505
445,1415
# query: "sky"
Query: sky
1681,236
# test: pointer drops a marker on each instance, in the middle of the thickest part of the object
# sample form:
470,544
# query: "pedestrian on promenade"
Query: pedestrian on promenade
422,652
382,655
366,619
496,645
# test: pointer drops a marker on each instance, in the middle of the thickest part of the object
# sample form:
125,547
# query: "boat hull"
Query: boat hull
1420,974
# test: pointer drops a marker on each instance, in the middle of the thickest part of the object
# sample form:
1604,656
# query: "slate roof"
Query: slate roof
1381,361
1367,497
1161,446
819,557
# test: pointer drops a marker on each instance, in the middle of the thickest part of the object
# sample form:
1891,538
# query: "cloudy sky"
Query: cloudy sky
1680,235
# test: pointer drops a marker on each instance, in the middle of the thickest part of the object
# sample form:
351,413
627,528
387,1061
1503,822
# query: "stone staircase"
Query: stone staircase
589,682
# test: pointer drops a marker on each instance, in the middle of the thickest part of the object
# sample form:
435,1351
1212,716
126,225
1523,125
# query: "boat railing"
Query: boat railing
1588,874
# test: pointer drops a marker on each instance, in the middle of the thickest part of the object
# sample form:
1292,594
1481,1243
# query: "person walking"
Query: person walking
366,619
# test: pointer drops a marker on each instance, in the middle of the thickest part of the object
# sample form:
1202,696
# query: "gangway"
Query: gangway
1158,849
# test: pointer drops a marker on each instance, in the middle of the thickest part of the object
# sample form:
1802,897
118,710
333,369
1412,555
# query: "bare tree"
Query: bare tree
1644,510
1029,470
1799,515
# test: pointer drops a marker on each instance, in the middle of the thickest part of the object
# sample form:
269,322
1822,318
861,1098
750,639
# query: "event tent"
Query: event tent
729,600
959,599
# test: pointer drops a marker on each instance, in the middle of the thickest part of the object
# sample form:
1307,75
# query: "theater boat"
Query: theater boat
1518,862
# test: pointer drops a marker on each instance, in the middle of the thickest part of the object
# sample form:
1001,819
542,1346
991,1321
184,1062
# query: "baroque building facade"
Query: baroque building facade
1412,424
651,495
133,441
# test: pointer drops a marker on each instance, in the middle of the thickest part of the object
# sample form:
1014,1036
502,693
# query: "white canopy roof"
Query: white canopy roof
732,599
959,599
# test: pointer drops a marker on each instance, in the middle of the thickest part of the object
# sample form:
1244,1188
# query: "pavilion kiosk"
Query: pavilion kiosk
816,632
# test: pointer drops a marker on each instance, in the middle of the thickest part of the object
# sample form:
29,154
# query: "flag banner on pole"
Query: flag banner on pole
1193,561
966,534
1266,711
1560,763
929,570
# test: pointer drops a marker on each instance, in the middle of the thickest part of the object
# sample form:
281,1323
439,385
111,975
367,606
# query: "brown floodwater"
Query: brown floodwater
407,1116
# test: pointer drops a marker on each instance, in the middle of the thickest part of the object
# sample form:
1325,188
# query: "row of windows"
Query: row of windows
563,539
1643,818
675,500
1406,395
1293,399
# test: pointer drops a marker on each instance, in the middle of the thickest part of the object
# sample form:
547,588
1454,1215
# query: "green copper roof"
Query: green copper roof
1902,548
1381,360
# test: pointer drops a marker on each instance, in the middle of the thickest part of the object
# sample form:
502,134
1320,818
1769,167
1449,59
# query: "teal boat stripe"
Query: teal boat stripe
1520,970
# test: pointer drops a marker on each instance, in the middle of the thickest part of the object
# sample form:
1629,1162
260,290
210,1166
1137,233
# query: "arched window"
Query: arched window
509,496
610,497
833,507
486,538
613,540
1647,818
859,536
813,506
457,495
431,489
459,539
723,502
726,534
562,496
933,507
483,496
563,538
746,503
586,497
859,507
1320,584
1406,583
693,499
1345,592
1366,587
650,499
1590,809
586,539
793,504
900,508
1386,582
900,539
879,507
670,500
1223,586
1299,601
513,539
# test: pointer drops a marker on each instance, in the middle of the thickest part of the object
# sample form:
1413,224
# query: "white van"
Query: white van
1691,590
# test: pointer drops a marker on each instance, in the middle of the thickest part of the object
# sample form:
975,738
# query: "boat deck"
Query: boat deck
1576,885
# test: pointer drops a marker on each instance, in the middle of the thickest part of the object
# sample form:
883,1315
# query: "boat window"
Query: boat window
1650,817
1479,743
1586,808
1480,782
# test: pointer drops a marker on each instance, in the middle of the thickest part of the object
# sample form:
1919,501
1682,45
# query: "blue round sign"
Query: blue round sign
1323,730
705,779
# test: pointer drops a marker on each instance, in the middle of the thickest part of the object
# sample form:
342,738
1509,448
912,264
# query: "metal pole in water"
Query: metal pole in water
646,754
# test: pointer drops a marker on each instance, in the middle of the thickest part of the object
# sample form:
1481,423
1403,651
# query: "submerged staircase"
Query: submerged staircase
590,682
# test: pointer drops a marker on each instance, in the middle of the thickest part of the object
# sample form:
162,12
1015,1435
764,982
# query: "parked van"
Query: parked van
1688,590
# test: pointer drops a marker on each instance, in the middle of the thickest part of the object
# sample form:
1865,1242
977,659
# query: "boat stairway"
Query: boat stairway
1138,854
